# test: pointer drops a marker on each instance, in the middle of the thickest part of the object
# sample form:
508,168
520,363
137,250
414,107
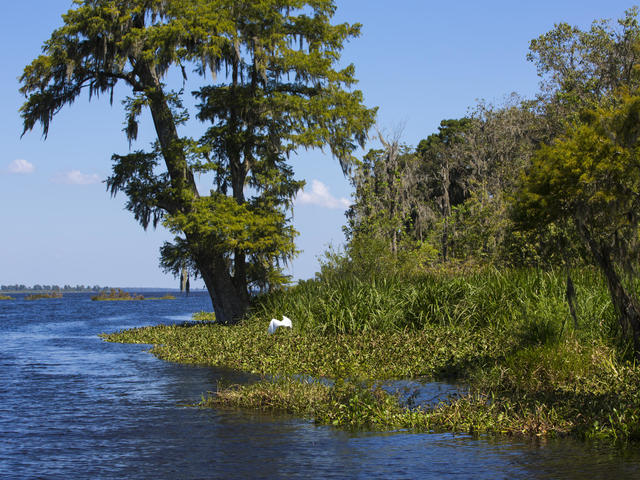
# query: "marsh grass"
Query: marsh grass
344,403
360,406
530,300
116,295
593,399
40,296
164,297
284,395
508,335
5,297
434,351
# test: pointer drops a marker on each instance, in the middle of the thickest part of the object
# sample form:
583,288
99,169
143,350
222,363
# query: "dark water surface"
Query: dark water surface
73,406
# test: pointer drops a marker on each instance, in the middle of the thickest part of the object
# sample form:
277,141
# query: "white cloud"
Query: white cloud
21,166
319,195
76,177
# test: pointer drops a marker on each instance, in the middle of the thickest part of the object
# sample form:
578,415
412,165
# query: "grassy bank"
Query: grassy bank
508,335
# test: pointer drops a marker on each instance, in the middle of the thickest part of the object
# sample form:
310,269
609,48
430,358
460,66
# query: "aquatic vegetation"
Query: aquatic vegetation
164,297
5,297
436,351
601,404
116,294
39,296
508,335
344,403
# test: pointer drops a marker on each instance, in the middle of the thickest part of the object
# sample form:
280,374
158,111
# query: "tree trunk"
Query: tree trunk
445,208
183,279
625,305
230,298
229,302
171,147
445,238
570,294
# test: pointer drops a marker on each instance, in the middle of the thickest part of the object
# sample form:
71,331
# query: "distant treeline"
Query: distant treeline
50,288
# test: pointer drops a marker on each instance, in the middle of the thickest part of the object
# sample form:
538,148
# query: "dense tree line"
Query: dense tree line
455,189
549,181
50,288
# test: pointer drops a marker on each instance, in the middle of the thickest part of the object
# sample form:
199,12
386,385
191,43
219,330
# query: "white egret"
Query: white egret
274,324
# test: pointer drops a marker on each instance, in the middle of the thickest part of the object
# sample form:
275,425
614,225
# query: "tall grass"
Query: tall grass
529,302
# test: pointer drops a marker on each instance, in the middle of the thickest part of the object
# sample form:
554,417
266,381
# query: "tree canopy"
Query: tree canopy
276,87
589,181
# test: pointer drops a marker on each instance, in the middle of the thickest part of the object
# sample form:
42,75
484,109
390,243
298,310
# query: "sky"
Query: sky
418,61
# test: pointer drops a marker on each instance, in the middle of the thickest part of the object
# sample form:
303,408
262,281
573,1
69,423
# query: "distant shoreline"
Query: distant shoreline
126,289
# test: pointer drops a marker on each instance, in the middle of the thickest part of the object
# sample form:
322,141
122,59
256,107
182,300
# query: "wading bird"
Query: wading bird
274,324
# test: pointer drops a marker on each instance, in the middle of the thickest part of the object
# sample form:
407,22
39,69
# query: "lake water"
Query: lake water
73,406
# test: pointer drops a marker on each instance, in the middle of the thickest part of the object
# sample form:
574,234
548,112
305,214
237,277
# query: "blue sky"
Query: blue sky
418,61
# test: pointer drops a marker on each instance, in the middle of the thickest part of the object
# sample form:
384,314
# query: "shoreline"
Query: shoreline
482,410
526,376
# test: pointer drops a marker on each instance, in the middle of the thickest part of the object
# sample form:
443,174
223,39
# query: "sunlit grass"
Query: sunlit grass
204,317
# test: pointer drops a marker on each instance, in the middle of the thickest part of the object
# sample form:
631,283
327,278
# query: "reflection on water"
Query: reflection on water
72,406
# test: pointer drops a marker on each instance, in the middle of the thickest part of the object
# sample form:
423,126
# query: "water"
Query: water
73,406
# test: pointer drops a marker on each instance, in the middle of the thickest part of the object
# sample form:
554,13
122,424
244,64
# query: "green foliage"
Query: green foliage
581,69
370,257
590,176
164,297
344,404
440,324
455,197
443,167
450,195
220,224
280,88
387,204
477,228
587,183
434,351
115,294
282,396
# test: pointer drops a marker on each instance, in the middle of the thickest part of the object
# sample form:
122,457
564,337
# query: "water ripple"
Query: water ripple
72,406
